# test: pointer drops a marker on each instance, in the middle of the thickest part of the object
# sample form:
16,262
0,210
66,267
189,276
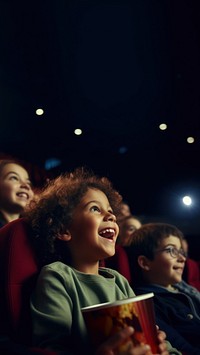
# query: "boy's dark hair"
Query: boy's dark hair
50,213
146,240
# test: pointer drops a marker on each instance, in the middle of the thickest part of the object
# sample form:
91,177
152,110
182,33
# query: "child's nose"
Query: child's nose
25,185
110,216
181,257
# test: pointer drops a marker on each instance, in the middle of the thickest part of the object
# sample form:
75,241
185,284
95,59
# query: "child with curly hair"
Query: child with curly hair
74,226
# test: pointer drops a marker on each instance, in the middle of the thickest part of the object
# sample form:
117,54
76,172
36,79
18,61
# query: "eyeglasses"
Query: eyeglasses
173,251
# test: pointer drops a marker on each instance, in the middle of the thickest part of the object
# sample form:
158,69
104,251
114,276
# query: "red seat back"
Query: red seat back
192,273
18,272
120,262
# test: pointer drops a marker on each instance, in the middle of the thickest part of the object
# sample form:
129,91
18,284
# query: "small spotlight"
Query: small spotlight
163,126
78,131
187,200
190,140
39,112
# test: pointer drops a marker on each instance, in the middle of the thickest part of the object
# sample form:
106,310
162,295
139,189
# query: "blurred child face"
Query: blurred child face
185,246
125,209
15,188
94,229
166,270
127,229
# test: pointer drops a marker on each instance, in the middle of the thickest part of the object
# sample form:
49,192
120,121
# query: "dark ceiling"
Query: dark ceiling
115,69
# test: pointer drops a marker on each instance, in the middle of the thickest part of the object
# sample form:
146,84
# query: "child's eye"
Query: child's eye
131,229
95,208
14,177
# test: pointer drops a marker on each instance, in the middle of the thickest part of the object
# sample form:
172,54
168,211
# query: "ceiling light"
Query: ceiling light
39,112
190,139
163,126
78,131
187,200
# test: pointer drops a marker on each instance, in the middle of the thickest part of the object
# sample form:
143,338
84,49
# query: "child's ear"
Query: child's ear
65,236
143,261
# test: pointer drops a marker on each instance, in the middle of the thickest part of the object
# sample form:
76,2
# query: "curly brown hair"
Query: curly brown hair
51,212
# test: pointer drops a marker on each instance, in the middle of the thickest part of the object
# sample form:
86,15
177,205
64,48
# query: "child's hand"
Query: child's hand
109,347
162,343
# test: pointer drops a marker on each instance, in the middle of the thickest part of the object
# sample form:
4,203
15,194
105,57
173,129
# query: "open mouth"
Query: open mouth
23,195
107,233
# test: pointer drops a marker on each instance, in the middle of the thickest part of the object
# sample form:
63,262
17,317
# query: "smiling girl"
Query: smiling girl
15,190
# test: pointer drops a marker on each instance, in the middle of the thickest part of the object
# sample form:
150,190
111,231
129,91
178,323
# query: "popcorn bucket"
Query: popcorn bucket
104,320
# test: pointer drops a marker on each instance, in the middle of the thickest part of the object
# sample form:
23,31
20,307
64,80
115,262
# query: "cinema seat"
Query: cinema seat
18,273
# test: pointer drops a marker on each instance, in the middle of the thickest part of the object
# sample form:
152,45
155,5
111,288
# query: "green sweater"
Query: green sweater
56,303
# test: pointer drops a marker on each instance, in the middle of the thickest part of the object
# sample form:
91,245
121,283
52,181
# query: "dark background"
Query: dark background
115,69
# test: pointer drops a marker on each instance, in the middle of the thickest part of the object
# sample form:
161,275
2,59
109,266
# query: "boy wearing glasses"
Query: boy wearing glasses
157,263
